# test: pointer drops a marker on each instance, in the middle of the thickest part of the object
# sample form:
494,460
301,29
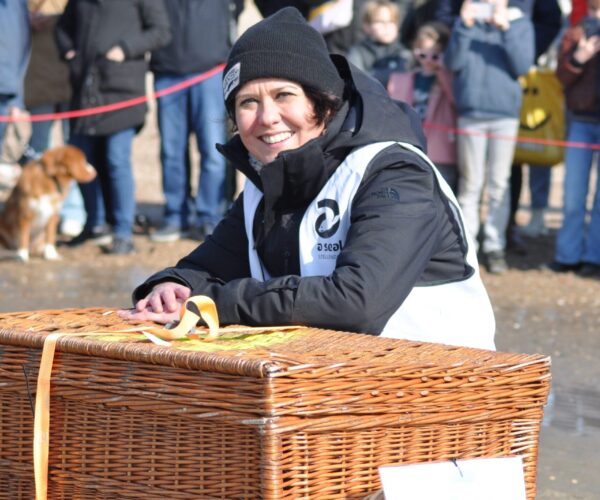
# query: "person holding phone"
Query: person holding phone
487,53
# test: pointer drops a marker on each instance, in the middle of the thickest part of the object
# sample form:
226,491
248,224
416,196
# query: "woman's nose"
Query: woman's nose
268,113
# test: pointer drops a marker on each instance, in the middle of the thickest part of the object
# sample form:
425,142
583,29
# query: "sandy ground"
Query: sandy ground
537,311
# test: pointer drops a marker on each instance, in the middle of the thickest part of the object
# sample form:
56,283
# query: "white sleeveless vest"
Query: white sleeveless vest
457,313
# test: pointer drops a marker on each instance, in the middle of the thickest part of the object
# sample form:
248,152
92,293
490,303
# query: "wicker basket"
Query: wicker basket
304,413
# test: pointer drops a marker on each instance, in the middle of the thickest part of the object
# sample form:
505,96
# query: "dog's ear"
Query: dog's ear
50,162
76,165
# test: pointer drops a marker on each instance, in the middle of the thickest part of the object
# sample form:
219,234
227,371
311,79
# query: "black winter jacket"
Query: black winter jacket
201,38
402,231
91,28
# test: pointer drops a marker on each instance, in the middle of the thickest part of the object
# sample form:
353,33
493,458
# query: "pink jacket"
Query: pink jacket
440,119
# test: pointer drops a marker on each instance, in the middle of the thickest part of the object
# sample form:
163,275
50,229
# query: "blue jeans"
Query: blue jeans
110,198
72,208
539,186
5,102
40,131
198,109
578,240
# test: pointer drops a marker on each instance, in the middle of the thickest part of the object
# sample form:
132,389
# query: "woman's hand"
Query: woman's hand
162,305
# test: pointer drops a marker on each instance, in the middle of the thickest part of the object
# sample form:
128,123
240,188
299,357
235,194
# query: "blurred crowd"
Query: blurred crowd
461,64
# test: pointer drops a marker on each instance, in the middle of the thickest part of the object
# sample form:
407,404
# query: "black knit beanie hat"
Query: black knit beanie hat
282,45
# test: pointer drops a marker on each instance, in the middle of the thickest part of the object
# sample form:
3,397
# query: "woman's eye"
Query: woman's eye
244,103
284,95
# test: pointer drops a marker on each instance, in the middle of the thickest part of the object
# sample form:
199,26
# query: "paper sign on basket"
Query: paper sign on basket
474,479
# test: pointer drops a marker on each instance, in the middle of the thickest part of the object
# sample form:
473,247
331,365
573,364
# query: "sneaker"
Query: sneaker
120,246
98,235
495,262
203,231
70,227
559,267
589,270
166,234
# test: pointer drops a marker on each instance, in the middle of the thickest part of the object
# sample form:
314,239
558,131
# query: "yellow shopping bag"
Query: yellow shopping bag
542,119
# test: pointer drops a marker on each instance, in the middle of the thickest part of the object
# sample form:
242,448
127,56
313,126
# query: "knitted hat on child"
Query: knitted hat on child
282,45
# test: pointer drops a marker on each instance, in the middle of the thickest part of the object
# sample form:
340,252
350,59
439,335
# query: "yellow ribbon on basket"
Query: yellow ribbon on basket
188,319
41,425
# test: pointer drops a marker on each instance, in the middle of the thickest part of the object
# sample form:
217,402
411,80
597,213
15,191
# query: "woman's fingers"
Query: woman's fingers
141,304
182,293
169,300
155,302
164,299
147,315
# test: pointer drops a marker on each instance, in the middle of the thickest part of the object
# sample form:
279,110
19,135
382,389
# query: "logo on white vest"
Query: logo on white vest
328,222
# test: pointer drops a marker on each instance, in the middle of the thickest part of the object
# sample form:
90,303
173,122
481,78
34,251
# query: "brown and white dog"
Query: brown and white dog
29,221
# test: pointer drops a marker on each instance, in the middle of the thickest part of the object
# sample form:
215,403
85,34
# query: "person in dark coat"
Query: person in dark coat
201,41
343,223
106,43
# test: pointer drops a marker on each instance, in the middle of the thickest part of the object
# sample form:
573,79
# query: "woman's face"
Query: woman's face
274,115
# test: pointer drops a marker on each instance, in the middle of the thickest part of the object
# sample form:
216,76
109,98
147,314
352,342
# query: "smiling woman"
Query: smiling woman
343,223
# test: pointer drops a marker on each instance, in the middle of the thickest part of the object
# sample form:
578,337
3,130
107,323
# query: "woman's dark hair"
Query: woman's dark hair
325,105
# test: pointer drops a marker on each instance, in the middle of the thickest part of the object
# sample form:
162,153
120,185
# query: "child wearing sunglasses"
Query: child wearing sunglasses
428,89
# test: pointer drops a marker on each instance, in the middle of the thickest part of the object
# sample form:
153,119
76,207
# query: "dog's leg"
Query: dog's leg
24,236
50,252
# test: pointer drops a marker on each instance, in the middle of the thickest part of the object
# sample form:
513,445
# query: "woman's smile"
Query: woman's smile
277,138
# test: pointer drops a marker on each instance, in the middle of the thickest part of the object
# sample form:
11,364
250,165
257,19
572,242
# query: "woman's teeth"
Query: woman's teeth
272,139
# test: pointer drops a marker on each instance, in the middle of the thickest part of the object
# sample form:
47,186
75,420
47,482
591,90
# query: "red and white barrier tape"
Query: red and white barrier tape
203,76
117,105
